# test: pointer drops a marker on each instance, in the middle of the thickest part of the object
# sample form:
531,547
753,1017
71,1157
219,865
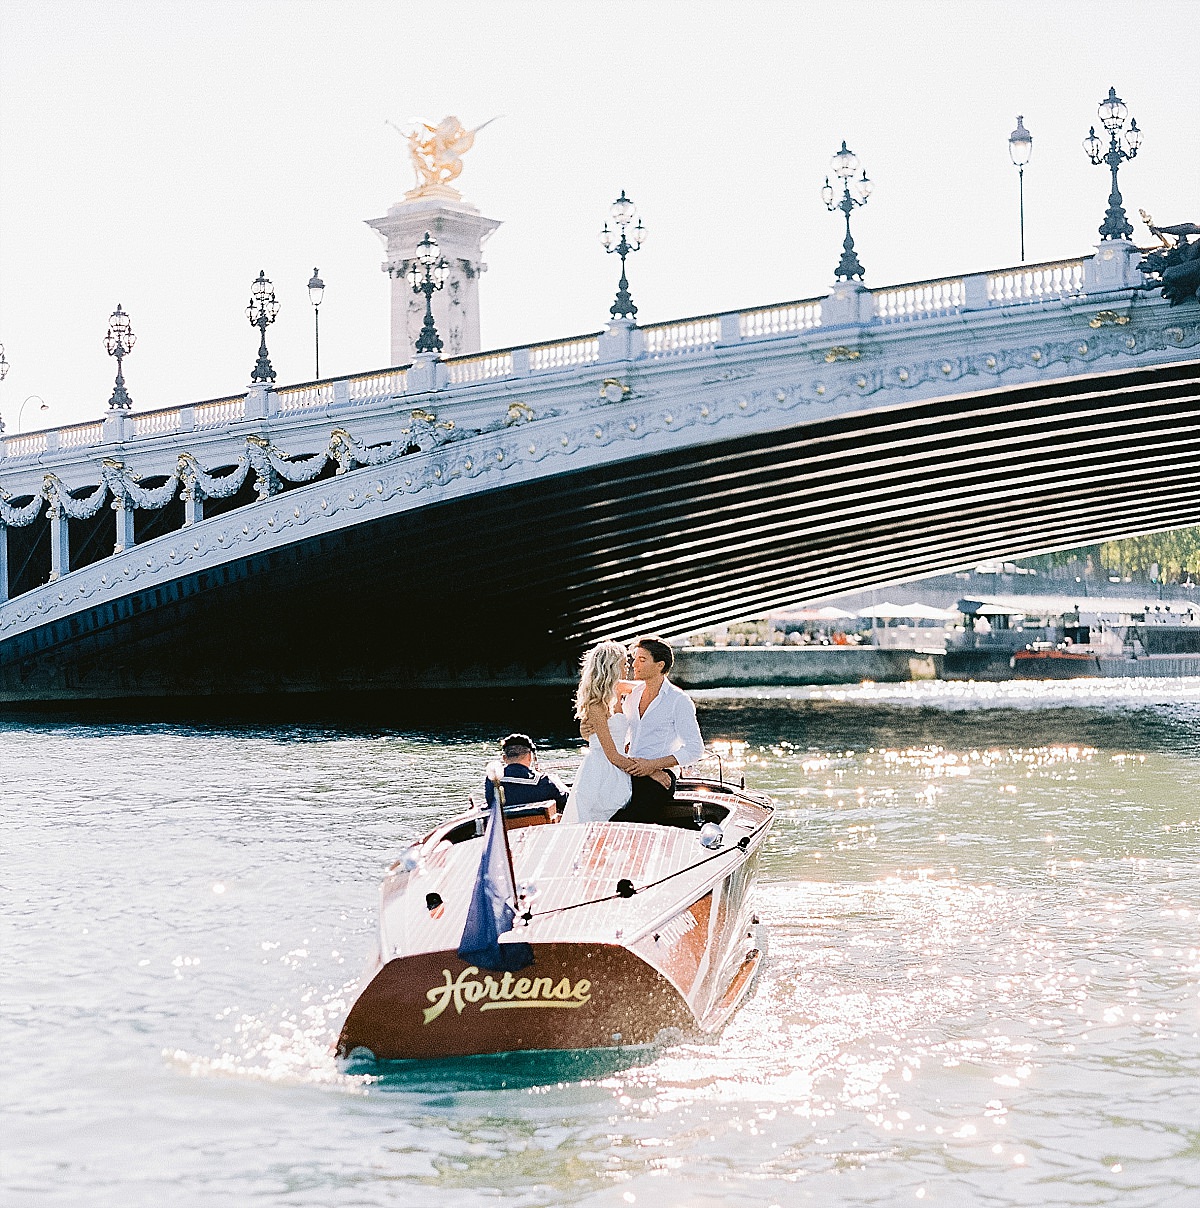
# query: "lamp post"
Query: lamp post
3,375
844,165
427,274
622,213
45,406
316,291
261,312
1020,148
119,342
1112,112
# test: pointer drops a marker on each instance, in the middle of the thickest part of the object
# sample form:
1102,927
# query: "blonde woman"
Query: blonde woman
602,785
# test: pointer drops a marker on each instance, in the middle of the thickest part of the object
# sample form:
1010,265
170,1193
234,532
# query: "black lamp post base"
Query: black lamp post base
262,367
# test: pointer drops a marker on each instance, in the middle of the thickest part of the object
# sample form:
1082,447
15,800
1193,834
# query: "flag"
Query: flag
491,914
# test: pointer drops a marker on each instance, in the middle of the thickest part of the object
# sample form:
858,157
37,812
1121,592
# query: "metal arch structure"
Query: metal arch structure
625,492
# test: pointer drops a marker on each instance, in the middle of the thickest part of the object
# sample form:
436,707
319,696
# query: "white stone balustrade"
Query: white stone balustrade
921,300
681,338
1035,283
564,354
779,320
298,398
456,424
220,411
906,303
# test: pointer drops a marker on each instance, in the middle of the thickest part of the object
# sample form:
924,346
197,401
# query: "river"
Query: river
982,984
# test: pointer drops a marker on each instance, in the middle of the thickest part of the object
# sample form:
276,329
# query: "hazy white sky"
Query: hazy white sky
158,153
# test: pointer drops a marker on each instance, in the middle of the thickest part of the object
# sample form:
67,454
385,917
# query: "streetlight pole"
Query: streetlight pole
623,212
119,342
1020,148
427,274
261,312
316,291
1112,113
844,165
3,375
45,406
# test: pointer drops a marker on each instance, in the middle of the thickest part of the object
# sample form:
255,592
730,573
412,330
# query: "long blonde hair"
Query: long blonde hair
602,667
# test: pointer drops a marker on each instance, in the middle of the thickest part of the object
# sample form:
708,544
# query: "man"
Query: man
521,783
663,732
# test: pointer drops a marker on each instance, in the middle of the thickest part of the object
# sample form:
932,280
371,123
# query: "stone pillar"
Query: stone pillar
3,561
621,340
848,304
1113,267
60,541
123,506
193,506
461,231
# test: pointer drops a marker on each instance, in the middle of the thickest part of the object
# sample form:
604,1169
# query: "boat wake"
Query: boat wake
281,1046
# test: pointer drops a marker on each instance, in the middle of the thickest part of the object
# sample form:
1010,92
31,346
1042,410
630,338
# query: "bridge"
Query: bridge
478,520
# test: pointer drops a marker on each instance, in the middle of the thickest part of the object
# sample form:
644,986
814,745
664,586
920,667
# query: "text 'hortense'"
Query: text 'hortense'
493,995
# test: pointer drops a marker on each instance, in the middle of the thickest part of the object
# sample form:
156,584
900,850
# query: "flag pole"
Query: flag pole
512,875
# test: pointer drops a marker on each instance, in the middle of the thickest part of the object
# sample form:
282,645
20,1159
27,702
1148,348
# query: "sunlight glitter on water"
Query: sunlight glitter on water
981,986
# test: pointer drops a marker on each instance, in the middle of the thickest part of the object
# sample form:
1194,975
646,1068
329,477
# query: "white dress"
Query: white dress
600,787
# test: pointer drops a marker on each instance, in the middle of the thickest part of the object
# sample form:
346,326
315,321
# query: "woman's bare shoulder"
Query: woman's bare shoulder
595,717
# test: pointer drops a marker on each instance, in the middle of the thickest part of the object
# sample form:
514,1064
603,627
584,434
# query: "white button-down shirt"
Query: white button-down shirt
668,728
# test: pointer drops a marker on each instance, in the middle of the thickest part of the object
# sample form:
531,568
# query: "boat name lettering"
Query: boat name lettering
493,995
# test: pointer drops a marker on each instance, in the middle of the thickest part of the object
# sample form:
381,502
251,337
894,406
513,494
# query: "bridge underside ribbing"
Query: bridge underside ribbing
506,587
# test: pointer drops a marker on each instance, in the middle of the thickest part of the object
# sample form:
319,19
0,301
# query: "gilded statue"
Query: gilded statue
436,153
1176,265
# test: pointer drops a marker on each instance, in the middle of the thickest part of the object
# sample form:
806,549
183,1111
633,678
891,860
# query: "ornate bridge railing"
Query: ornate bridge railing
891,304
255,445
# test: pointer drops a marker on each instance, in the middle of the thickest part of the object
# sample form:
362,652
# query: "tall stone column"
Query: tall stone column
461,232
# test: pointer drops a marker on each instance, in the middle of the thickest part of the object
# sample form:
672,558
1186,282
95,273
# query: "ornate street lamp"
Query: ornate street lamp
45,406
1020,148
119,342
316,291
261,312
623,242
1112,112
844,165
427,274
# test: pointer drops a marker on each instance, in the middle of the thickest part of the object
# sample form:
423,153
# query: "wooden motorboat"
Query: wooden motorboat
639,933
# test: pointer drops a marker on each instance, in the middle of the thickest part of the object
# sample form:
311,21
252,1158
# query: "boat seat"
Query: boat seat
540,813
690,814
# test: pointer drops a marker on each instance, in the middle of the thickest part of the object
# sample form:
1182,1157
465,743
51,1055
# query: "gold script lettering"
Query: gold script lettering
505,994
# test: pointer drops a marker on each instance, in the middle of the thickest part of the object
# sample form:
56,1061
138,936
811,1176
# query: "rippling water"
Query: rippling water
982,986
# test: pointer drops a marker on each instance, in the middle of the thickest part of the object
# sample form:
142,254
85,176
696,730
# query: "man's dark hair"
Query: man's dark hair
516,745
658,650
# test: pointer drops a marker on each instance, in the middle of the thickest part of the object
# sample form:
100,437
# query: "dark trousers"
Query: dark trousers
649,801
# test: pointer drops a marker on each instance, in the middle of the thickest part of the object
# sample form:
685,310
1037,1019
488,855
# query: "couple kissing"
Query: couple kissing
639,733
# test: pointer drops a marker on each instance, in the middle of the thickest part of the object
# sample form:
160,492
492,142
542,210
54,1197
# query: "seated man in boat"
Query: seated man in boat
663,732
519,778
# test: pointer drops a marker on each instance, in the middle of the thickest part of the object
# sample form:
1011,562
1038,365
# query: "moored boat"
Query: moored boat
636,933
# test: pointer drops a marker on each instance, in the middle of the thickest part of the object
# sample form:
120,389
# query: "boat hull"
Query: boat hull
572,996
1054,664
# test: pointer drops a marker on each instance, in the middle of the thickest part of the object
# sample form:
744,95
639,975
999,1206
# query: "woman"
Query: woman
602,785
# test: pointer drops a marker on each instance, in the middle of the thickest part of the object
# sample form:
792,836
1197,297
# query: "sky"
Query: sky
159,153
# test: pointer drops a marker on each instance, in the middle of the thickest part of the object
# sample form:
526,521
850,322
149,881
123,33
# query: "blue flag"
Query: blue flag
490,915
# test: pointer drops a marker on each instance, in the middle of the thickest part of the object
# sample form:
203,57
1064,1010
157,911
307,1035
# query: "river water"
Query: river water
982,986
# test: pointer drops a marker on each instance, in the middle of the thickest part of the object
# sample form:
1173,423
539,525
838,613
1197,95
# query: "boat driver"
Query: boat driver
519,778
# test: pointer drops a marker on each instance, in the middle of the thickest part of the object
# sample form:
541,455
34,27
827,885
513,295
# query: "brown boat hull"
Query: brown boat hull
573,996
1054,664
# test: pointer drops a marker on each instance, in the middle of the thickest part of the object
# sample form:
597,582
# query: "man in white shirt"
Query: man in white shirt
663,732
